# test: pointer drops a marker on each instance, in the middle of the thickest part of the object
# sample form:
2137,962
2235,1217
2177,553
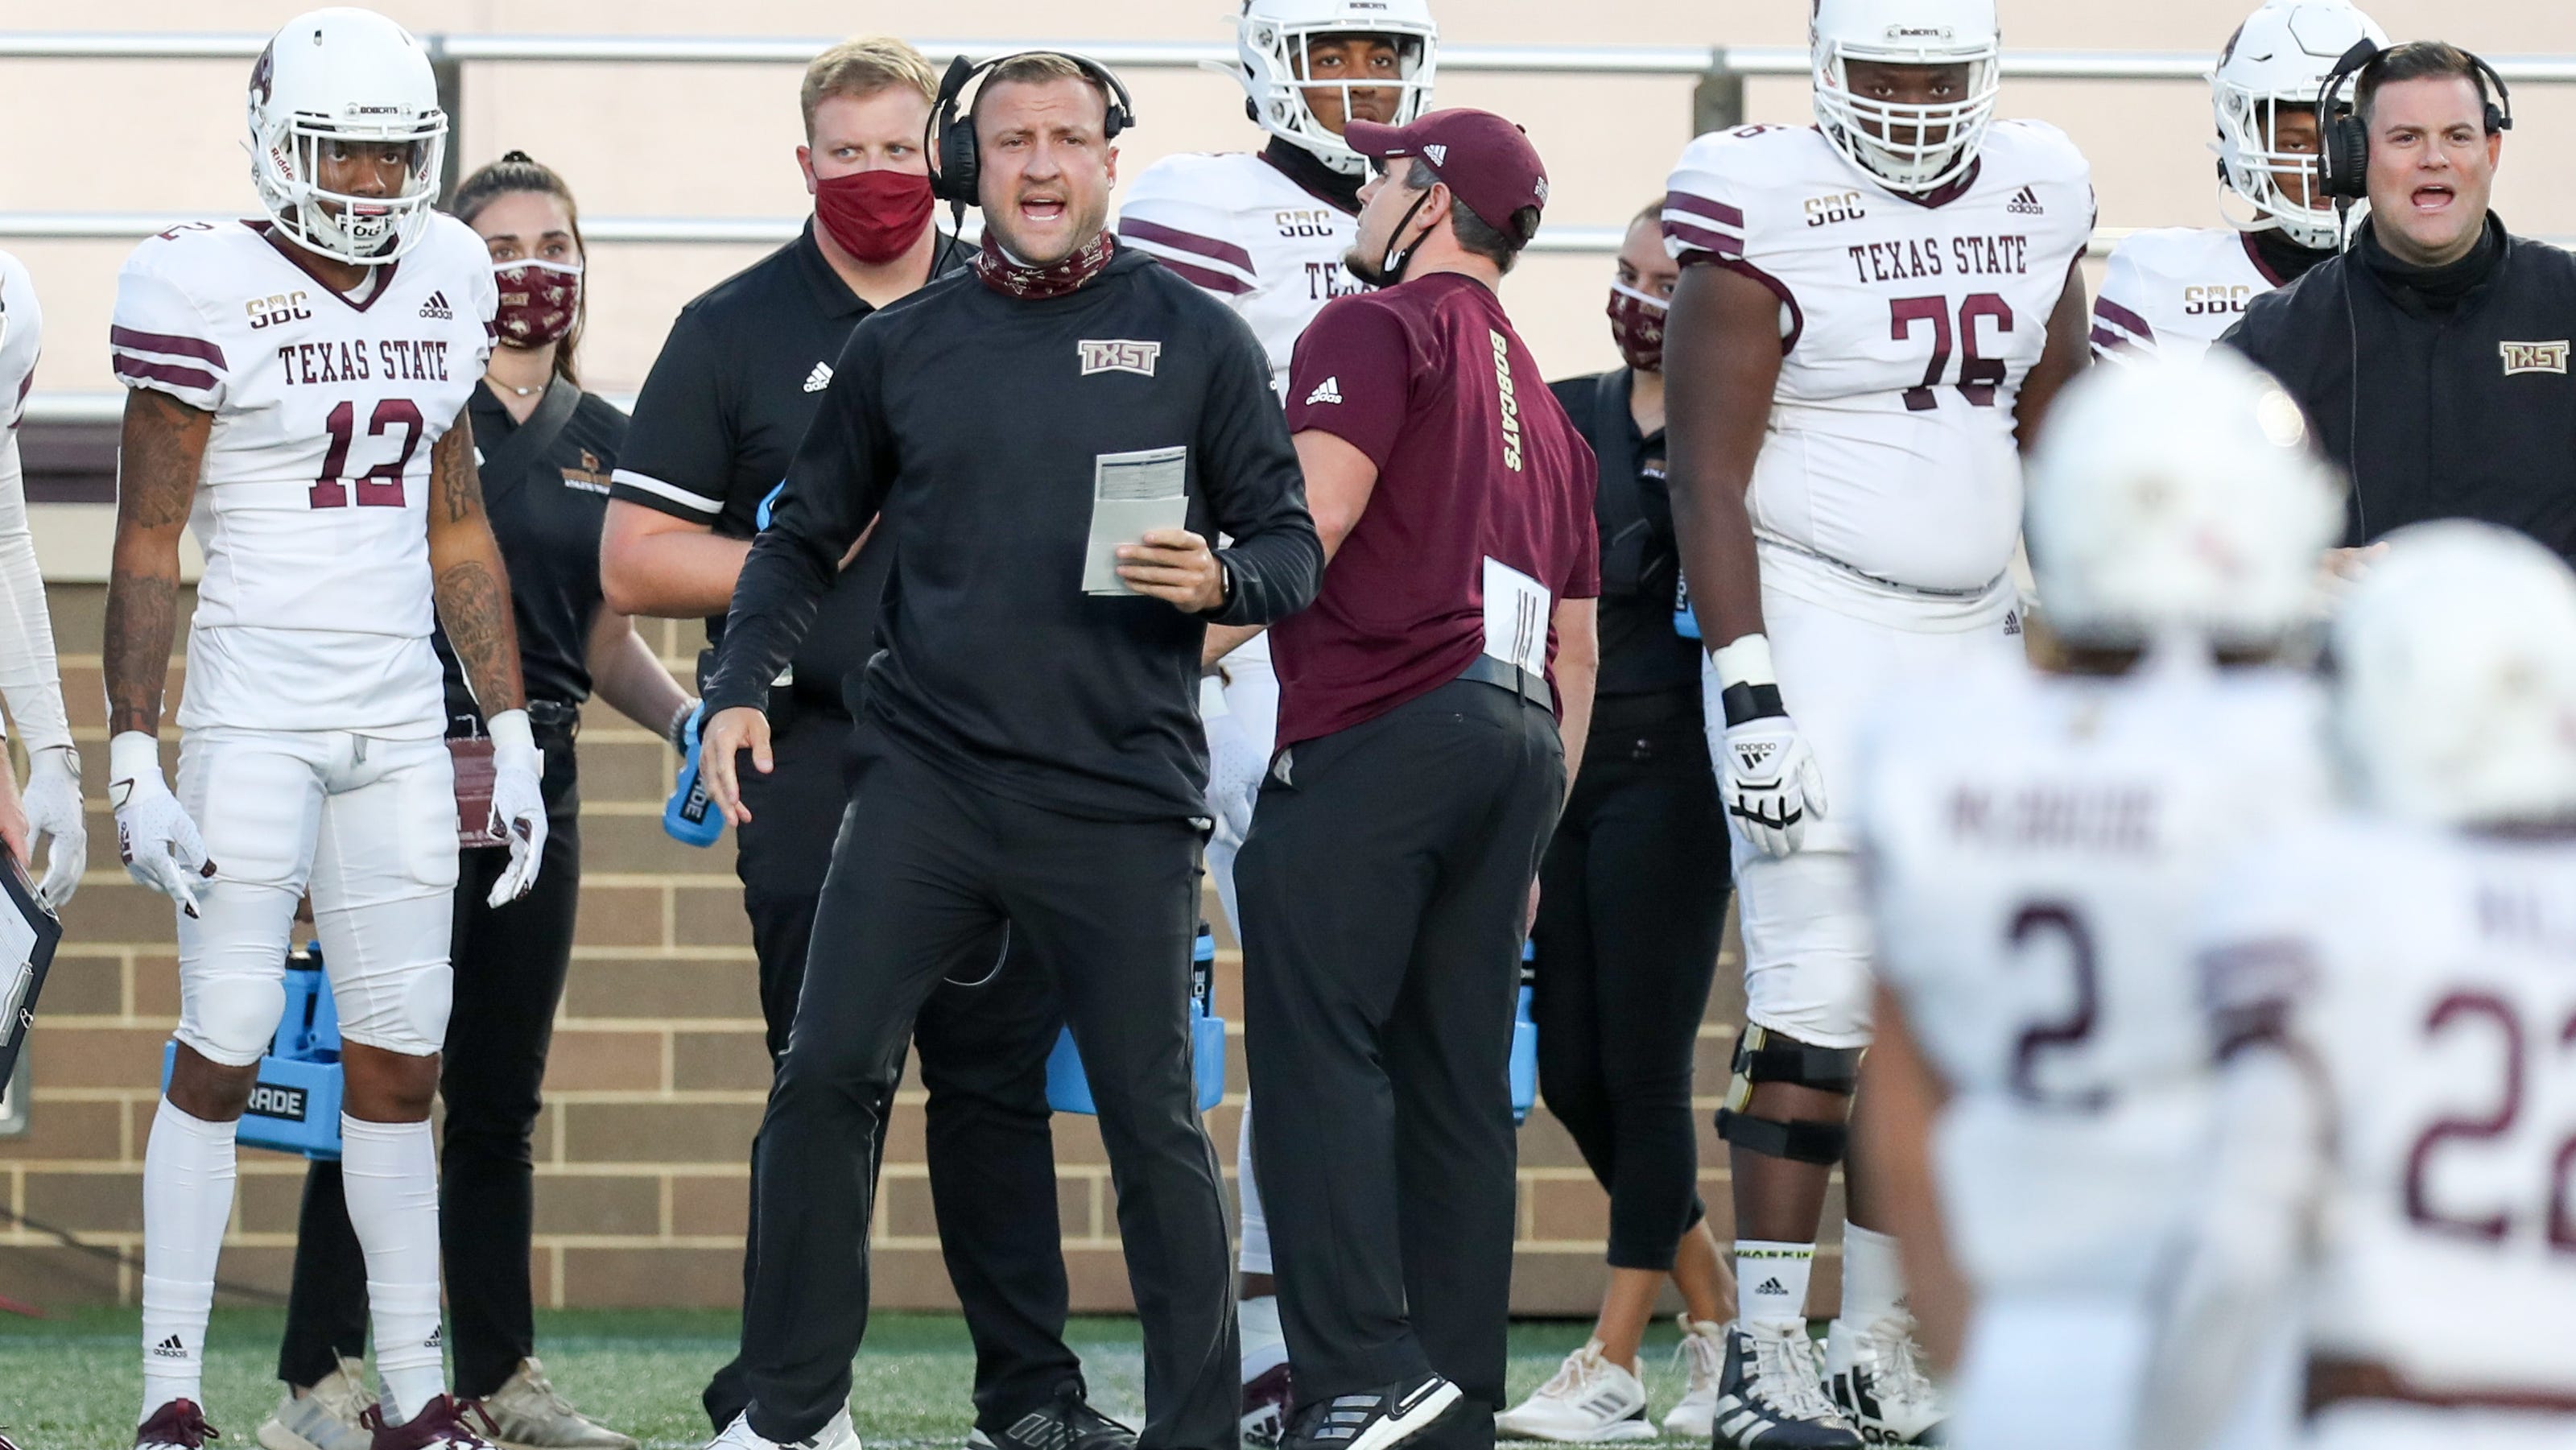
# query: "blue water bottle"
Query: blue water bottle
1525,1041
690,816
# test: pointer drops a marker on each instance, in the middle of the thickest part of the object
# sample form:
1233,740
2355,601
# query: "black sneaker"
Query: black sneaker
1771,1396
1377,1419
1067,1422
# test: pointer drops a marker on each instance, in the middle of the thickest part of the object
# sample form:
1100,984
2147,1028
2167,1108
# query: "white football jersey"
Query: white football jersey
1262,244
22,337
2426,982
1906,328
2038,847
2173,291
316,606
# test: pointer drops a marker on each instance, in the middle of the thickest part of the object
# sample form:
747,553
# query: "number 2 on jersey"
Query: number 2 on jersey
2457,1012
382,485
2058,920
1979,376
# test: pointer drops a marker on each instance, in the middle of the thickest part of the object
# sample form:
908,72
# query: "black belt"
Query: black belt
556,717
1503,675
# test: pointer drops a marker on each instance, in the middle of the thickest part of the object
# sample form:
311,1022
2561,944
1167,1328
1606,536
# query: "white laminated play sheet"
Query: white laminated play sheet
1132,493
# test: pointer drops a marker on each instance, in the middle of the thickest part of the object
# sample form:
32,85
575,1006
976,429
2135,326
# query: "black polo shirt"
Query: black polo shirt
546,515
730,397
1640,563
976,426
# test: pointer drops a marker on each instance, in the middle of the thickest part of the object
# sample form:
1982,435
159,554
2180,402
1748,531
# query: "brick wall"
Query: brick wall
654,1088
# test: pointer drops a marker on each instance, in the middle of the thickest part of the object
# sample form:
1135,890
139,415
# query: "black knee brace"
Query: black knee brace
1765,1056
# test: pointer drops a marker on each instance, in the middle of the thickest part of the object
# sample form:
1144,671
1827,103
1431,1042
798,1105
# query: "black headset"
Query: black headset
952,136
2343,151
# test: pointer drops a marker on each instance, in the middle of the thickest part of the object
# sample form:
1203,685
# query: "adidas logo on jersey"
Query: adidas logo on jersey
1327,391
2012,624
170,1348
2025,202
437,307
819,379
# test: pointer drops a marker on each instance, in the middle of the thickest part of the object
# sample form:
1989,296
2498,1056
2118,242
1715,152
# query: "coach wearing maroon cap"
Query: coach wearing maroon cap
1386,881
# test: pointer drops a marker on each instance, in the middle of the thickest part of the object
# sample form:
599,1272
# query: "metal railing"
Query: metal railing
1718,100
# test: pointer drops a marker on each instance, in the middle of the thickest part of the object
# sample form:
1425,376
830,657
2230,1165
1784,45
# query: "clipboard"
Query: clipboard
28,935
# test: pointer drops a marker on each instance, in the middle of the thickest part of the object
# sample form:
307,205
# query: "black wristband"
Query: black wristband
1751,702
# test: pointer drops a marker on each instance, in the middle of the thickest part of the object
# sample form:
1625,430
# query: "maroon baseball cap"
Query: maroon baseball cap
1487,162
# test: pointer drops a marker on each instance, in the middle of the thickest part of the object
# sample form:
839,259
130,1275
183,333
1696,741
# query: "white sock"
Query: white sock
1265,1345
1771,1281
1873,1276
389,1174
187,1200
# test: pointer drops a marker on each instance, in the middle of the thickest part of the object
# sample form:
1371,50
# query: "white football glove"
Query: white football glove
158,842
1767,773
1770,783
53,803
518,803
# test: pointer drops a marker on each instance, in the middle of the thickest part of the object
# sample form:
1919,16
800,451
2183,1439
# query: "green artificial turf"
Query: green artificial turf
72,1382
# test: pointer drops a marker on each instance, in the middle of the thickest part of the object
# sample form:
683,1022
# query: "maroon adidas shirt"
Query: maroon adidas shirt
1475,462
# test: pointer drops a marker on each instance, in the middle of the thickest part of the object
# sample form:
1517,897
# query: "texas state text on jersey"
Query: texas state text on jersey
2173,291
1907,326
1239,227
316,606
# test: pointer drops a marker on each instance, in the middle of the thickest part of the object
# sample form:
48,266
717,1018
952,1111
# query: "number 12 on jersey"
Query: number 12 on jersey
1979,376
382,485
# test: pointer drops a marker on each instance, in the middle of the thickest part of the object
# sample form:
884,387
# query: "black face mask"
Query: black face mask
1389,270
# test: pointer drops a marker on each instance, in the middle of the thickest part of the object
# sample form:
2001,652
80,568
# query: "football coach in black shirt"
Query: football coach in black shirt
734,390
2432,356
1028,749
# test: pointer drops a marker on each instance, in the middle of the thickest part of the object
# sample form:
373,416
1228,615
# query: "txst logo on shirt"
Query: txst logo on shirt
1119,355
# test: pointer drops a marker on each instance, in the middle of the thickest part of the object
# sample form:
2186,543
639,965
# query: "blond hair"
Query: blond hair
863,66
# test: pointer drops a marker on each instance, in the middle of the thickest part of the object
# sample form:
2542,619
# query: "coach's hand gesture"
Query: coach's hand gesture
1177,567
726,734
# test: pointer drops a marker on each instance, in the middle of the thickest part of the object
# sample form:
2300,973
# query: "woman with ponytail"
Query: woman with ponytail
544,449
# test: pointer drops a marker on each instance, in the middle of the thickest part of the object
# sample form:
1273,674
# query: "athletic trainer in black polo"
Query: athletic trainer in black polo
727,402
1045,437
1386,881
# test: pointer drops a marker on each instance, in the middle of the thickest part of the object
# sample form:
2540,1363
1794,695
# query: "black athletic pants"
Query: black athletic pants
983,1059
1634,900
926,866
1384,888
509,963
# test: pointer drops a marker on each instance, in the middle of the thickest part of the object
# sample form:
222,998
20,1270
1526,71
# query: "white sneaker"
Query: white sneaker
1770,1394
324,1417
1703,1357
1587,1401
529,1414
838,1435
1877,1377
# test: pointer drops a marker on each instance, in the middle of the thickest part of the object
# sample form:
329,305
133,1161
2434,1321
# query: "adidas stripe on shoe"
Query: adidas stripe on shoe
1375,1420
1587,1402
1771,1395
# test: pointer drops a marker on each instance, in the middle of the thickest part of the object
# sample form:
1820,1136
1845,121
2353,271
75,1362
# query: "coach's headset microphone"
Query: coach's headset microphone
2343,173
951,137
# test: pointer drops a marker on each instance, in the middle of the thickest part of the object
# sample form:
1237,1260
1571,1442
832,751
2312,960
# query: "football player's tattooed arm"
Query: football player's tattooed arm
161,451
1721,363
472,584
1892,1125
2069,351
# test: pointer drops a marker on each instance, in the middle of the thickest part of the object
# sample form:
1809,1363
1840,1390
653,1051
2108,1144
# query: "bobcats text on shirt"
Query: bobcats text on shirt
316,606
2172,291
2040,846
1243,229
1906,327
22,337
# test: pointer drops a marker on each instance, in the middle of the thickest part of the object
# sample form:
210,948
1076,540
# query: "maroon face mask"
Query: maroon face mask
539,301
1637,322
874,215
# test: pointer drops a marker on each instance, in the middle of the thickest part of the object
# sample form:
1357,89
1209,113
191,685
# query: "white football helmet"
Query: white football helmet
1270,43
2455,678
344,75
2179,498
2280,57
1889,141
